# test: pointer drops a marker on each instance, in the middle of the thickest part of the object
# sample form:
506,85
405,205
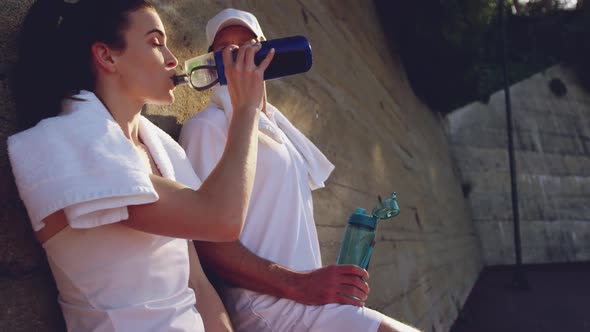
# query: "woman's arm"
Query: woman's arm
217,211
209,305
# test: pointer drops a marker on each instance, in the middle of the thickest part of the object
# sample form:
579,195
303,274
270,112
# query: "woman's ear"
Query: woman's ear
103,57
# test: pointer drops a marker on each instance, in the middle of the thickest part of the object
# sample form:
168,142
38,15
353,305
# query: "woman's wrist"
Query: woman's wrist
246,115
246,110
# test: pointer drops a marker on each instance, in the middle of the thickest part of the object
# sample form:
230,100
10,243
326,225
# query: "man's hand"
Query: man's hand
333,284
237,265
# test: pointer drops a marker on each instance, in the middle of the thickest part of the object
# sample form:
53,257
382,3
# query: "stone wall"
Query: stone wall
356,104
552,148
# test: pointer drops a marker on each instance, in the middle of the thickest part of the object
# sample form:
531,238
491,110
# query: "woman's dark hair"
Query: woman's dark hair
54,60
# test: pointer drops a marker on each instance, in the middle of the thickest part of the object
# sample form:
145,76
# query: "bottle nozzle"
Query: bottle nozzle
180,79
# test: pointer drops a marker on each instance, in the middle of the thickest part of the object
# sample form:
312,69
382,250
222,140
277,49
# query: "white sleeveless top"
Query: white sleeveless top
114,278
110,277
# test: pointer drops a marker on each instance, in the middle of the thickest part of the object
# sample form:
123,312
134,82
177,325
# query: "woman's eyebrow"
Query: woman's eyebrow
158,31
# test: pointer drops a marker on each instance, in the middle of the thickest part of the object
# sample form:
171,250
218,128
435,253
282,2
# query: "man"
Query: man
274,276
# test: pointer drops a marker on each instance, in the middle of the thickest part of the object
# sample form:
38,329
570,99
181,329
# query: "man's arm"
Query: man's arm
209,305
237,265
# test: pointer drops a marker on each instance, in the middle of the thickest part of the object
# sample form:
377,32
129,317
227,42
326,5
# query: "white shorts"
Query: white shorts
254,312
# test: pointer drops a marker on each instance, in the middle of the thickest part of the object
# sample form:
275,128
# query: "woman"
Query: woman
110,196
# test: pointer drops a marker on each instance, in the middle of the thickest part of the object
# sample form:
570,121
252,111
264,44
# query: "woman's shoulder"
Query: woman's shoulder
82,118
44,129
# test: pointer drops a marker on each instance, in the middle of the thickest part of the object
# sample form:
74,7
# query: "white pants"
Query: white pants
253,312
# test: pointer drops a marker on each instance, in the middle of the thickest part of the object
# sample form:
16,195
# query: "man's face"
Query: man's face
232,35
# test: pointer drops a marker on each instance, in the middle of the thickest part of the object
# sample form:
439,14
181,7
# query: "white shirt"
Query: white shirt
279,225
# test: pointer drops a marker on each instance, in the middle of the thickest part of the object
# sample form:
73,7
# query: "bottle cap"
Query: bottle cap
387,208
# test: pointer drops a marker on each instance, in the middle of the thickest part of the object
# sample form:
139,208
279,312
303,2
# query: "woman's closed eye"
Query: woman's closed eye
158,40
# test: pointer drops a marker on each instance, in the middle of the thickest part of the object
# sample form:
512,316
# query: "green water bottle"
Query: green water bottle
359,236
358,239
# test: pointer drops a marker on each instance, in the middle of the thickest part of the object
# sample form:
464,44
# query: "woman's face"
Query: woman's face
146,65
233,34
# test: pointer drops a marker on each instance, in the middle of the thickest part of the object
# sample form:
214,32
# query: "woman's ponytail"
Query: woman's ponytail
55,59
37,86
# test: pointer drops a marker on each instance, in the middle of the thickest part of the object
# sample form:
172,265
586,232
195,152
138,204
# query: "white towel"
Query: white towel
318,166
81,161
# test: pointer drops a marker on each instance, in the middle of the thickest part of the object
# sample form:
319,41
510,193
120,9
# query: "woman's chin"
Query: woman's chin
164,100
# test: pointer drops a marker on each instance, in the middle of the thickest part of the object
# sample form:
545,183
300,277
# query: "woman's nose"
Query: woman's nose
171,61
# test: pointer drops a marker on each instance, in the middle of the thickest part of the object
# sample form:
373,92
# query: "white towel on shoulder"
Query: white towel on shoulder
81,161
318,166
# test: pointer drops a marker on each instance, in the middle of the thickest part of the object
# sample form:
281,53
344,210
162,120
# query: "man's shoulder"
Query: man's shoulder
208,125
210,116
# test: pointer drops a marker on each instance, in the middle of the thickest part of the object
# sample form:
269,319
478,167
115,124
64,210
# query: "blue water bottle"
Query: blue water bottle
359,236
292,56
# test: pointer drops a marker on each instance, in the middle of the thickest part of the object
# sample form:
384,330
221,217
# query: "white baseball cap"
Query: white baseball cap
229,17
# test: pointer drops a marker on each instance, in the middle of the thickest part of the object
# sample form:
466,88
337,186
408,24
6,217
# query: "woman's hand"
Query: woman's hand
245,80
